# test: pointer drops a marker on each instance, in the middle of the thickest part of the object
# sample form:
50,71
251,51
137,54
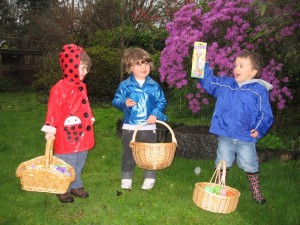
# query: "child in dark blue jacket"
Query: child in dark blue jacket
242,115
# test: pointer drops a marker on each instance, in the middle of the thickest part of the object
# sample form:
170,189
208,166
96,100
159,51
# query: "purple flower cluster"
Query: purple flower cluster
280,93
225,27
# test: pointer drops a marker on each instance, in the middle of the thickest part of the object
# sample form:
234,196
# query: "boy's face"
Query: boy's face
243,70
141,70
83,70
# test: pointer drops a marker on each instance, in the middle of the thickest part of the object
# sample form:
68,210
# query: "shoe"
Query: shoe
148,184
65,198
126,184
79,192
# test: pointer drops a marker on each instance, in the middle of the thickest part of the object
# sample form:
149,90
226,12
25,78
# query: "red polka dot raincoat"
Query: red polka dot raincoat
69,116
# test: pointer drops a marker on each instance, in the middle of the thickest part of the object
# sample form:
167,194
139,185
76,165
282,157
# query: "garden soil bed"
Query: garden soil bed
195,142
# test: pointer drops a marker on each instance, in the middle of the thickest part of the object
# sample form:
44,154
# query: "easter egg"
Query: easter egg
68,173
197,170
134,97
61,169
223,192
230,194
209,189
217,190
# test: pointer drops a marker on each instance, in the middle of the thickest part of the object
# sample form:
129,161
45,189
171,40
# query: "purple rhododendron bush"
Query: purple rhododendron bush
228,27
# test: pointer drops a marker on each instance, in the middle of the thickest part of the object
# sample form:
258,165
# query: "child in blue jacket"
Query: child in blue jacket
141,99
242,115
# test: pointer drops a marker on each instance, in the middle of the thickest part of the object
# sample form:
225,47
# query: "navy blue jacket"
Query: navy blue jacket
240,107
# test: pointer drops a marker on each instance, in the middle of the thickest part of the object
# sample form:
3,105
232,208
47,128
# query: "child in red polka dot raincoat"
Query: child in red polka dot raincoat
69,119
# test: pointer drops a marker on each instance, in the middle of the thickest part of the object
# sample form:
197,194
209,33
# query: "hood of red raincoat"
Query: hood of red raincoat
69,62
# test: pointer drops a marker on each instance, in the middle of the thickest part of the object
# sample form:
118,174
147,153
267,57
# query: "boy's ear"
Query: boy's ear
254,73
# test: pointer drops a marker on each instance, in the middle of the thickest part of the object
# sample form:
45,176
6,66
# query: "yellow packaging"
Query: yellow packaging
198,60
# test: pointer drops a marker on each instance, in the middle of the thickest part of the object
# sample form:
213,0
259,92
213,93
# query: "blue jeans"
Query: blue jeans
245,153
77,161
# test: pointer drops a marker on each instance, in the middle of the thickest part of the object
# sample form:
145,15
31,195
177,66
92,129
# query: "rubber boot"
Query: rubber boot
254,187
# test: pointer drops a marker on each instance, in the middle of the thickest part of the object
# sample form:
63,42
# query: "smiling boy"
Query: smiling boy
242,115
141,99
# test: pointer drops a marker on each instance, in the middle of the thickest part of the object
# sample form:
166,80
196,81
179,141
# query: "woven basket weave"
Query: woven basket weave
37,174
153,156
213,202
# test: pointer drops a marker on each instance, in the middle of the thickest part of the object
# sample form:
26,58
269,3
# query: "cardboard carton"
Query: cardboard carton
198,60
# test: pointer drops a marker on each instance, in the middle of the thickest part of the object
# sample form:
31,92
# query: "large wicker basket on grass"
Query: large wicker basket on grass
153,156
41,175
216,202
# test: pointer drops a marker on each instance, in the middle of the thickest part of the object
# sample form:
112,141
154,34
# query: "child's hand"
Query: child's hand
151,119
130,103
254,133
48,135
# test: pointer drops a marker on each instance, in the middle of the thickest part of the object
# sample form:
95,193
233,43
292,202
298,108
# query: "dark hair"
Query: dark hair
133,56
255,59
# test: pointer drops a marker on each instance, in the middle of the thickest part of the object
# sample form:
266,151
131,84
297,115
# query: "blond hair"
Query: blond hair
134,56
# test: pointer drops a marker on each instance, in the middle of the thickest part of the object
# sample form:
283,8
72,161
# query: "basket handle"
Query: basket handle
48,152
216,174
157,121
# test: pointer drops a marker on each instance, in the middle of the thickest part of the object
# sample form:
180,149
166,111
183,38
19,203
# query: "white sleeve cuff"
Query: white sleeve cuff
49,129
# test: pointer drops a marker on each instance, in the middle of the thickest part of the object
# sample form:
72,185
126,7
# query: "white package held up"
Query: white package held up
198,60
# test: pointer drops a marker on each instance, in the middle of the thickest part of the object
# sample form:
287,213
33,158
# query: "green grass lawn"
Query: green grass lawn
170,202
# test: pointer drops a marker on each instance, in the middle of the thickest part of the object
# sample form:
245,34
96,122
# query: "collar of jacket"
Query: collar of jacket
148,80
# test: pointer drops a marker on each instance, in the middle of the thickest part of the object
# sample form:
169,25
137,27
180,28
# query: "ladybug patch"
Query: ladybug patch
73,128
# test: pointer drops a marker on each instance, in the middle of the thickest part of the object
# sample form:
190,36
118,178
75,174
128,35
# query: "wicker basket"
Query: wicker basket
214,202
38,174
153,156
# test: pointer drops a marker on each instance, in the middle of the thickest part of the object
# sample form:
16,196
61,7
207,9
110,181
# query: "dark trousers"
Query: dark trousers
77,160
128,164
